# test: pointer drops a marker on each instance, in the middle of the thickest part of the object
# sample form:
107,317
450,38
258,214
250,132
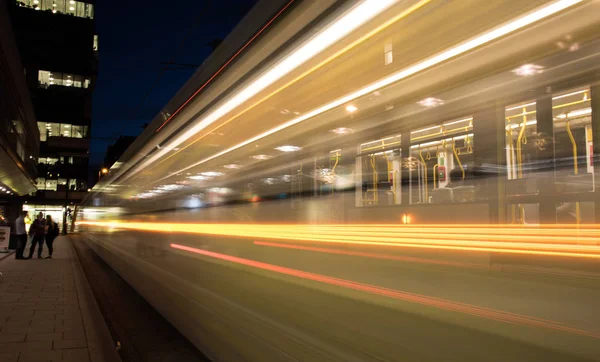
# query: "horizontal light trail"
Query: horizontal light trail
373,255
474,310
500,268
427,238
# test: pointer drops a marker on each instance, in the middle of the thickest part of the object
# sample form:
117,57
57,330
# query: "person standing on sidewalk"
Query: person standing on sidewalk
51,234
38,230
21,235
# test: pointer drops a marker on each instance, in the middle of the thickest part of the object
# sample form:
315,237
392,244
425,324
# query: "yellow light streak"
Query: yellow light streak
380,28
548,242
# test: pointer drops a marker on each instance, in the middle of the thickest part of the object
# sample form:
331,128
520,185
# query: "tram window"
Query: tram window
441,168
329,173
339,173
572,115
521,147
380,172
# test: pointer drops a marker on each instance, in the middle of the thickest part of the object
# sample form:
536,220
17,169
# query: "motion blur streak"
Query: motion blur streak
488,313
427,239
428,63
395,19
522,270
350,21
372,255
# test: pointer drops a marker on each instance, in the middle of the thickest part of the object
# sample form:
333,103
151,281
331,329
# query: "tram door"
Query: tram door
521,149
572,116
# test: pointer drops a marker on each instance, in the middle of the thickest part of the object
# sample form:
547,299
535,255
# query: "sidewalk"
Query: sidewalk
48,312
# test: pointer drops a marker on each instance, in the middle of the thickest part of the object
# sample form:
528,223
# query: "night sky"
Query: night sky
134,37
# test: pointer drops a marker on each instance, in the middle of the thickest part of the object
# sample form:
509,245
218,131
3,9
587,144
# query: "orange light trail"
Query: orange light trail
585,245
473,310
372,255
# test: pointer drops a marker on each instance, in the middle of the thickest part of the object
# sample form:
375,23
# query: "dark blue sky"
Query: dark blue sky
134,37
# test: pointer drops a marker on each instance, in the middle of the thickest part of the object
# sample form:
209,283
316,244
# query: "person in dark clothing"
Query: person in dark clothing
38,230
51,234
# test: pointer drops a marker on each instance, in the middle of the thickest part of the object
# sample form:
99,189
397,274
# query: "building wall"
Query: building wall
60,61
19,136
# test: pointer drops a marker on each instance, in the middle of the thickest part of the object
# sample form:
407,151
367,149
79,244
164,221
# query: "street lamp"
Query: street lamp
103,171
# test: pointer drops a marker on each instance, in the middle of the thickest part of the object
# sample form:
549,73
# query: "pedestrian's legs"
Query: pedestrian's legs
36,240
49,241
21,246
41,243
32,247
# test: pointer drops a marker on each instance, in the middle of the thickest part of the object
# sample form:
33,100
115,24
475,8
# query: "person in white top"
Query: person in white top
21,234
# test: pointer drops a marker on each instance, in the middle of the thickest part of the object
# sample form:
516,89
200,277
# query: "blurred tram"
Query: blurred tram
345,124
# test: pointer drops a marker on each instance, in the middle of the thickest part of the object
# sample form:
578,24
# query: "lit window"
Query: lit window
78,131
66,130
95,42
47,79
61,130
69,7
51,185
41,183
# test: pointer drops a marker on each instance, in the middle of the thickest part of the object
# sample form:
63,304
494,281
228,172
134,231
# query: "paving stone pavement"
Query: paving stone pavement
47,311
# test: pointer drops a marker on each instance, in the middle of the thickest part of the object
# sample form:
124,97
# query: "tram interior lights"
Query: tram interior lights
211,174
529,123
232,166
351,108
261,157
431,102
528,69
580,112
288,148
342,130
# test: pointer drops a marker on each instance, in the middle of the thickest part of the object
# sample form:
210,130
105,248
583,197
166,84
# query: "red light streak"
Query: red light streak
224,66
473,310
410,259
